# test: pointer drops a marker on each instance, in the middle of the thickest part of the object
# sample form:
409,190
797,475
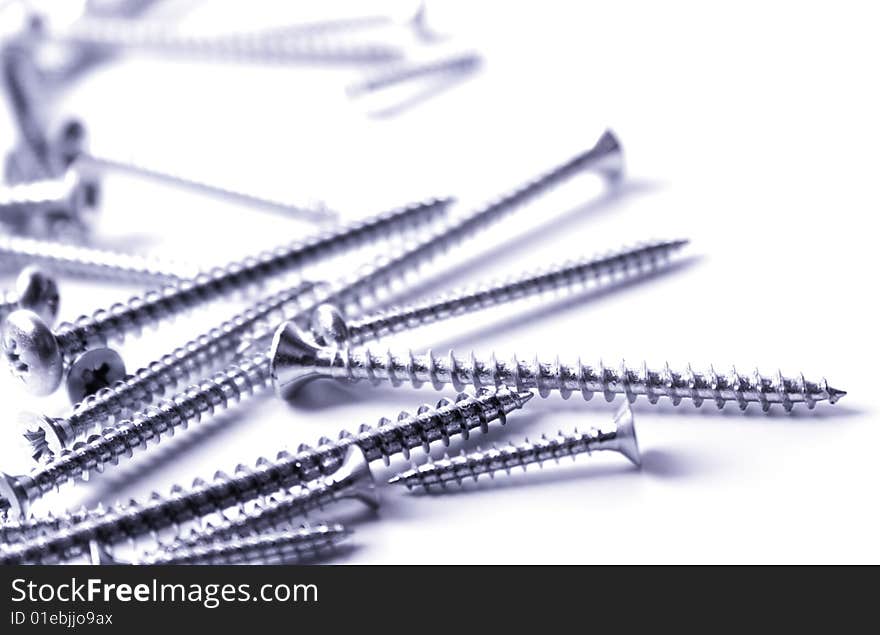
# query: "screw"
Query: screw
39,356
157,37
68,148
620,437
283,546
50,207
353,480
460,63
35,291
196,358
428,425
296,361
87,262
329,326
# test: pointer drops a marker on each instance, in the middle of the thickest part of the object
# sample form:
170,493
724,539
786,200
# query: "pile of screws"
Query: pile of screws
294,335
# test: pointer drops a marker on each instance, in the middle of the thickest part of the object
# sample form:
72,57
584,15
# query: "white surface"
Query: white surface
750,129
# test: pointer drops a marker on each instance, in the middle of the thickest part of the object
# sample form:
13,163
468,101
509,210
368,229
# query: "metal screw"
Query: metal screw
353,480
329,326
39,356
87,262
461,63
289,545
68,148
620,437
428,425
297,360
50,207
157,37
35,291
196,358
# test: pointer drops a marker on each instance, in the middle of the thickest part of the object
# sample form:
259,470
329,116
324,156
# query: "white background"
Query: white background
750,128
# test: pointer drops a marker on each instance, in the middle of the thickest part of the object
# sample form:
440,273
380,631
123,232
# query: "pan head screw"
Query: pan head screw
93,370
38,292
32,351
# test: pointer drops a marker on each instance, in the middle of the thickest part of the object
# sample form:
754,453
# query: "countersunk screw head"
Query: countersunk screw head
46,436
328,326
38,292
32,351
625,440
292,356
93,370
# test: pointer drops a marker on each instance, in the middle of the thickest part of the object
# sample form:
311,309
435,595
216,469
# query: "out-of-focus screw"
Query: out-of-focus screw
53,207
619,437
87,262
428,425
285,546
458,64
330,327
35,291
298,360
198,357
39,357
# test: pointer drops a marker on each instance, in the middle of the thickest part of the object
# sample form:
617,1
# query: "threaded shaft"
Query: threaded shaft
25,205
619,265
91,263
495,459
409,431
604,157
314,213
552,375
122,34
132,316
24,95
282,546
202,355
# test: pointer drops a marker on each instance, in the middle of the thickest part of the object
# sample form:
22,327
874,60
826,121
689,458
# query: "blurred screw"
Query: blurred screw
35,291
461,64
49,208
619,437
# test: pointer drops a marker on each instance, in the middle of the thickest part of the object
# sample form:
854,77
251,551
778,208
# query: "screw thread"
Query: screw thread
618,266
315,212
196,358
155,306
507,457
409,431
604,157
122,34
87,262
287,545
552,375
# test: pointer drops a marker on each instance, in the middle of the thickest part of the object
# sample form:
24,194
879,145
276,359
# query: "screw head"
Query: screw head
38,292
328,326
625,440
292,360
32,352
13,497
355,472
93,370
45,435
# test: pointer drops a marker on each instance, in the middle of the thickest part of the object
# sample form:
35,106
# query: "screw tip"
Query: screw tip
835,395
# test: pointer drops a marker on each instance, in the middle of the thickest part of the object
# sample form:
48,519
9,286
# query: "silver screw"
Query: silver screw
285,546
619,437
157,37
87,262
35,291
50,207
329,326
297,360
196,358
68,148
353,480
428,425
39,356
460,63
